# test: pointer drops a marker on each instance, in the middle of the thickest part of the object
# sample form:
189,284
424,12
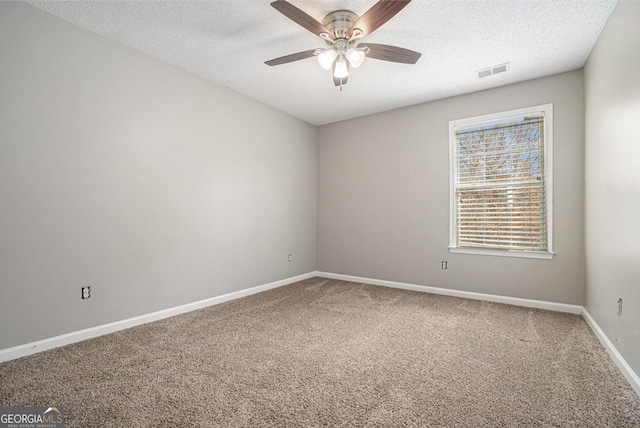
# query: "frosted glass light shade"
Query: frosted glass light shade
341,68
326,58
355,57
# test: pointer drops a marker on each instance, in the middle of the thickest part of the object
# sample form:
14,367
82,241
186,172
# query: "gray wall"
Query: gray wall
150,184
612,189
383,196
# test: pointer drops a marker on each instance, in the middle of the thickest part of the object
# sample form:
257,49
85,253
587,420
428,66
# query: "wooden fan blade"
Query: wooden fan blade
290,58
300,17
340,81
375,17
391,53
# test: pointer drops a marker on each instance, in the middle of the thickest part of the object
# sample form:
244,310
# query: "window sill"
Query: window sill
505,253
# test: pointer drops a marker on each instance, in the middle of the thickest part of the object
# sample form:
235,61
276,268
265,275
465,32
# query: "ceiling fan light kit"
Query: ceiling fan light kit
341,68
356,56
342,31
326,58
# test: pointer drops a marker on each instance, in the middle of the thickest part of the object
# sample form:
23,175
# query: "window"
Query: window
501,184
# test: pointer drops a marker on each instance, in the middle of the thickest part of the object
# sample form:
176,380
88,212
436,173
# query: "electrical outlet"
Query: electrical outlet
620,307
86,292
290,257
443,264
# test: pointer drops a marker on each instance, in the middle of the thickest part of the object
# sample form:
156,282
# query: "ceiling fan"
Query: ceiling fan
343,30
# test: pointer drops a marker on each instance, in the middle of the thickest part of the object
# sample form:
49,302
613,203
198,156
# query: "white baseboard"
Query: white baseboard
77,336
80,335
617,358
516,301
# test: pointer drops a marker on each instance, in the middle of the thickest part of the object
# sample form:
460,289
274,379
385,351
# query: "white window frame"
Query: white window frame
548,177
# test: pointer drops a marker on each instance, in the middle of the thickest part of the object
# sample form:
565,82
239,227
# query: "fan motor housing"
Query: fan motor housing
339,22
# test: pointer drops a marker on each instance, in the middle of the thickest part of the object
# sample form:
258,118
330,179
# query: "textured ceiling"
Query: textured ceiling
228,41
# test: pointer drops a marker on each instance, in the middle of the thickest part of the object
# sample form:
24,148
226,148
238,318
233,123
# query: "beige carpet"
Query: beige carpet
330,353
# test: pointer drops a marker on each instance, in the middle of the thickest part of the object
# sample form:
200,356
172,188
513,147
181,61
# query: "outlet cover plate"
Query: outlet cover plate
86,292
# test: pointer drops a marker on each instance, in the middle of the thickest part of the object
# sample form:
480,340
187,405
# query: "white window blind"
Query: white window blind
500,184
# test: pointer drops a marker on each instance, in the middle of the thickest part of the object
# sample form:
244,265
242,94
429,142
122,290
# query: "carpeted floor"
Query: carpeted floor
330,353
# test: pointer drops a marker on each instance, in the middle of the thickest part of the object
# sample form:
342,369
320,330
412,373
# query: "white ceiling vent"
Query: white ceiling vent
490,71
